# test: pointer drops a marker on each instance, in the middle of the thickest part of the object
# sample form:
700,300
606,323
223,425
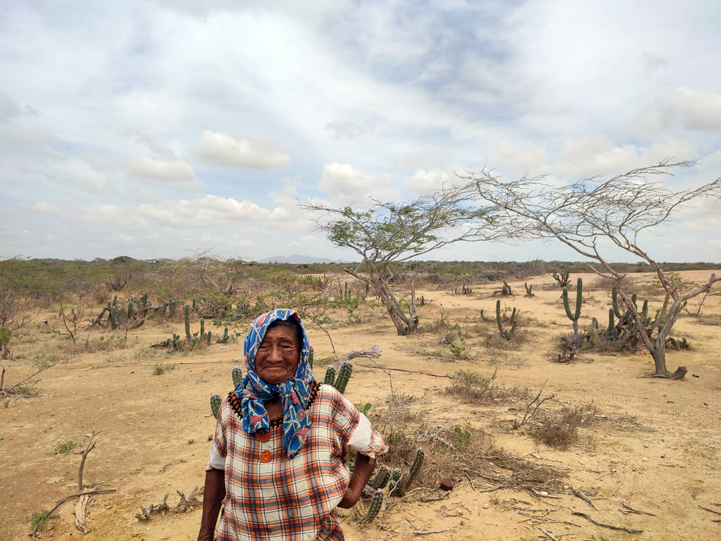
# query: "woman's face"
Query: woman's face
277,358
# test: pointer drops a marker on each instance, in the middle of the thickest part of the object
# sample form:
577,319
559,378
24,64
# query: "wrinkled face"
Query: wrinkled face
277,358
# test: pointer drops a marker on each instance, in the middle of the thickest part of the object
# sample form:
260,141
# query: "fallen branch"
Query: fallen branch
548,534
581,495
430,532
422,373
66,498
710,510
184,505
629,509
615,489
80,511
11,389
610,526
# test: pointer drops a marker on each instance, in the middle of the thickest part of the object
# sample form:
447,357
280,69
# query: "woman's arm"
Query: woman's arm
362,471
213,496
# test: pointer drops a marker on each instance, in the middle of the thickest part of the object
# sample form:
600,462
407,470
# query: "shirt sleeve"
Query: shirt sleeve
218,449
357,432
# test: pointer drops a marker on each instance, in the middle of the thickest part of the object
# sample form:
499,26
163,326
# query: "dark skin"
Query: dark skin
275,362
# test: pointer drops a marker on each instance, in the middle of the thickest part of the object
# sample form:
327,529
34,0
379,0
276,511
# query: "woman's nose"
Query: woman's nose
275,353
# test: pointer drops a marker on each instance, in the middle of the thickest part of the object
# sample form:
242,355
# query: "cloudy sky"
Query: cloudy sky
157,128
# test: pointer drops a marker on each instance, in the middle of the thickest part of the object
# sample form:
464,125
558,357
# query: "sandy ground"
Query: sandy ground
155,428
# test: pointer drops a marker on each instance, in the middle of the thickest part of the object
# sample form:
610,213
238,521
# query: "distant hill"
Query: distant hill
297,259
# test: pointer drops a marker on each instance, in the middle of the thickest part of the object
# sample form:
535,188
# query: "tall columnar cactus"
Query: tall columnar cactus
114,318
208,337
344,375
202,328
415,469
215,402
329,375
237,375
573,316
144,300
131,309
506,333
171,308
225,338
374,506
186,311
611,330
115,300
310,355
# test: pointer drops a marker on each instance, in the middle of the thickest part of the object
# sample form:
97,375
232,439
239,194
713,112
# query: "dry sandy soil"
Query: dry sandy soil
155,427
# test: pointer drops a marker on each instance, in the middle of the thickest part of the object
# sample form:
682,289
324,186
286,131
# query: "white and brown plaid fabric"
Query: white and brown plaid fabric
272,497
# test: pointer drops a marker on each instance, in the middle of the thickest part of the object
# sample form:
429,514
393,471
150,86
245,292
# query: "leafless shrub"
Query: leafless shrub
15,311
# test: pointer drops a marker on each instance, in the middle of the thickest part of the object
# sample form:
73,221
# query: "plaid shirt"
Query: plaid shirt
272,497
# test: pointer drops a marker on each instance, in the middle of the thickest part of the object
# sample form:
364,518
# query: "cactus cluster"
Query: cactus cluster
191,341
506,332
398,484
563,278
340,381
506,289
678,345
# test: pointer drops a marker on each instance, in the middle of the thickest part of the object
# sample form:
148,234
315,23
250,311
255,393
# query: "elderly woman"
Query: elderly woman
278,459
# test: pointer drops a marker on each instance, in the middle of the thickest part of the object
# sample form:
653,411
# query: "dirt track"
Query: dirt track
155,428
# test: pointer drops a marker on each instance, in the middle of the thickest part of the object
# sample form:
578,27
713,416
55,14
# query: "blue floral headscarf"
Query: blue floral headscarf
294,393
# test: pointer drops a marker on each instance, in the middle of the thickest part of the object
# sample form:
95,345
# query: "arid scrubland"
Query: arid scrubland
533,403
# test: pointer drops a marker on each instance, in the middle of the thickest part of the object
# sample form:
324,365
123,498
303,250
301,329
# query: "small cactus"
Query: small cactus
344,375
329,376
215,402
380,480
415,468
310,356
237,375
202,328
114,318
186,311
506,333
208,337
374,506
395,484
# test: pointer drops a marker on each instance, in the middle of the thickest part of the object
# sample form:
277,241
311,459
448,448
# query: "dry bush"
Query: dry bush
464,452
559,429
473,388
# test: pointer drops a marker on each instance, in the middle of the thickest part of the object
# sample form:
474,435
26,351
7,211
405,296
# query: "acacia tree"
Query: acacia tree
386,233
618,209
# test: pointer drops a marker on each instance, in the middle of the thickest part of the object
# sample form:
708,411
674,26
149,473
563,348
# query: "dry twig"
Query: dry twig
66,498
629,509
610,526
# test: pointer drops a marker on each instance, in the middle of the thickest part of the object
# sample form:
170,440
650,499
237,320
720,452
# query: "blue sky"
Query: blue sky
158,128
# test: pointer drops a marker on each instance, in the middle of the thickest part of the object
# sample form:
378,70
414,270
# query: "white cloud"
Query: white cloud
8,108
427,157
209,211
171,174
523,160
347,130
424,182
152,144
250,153
345,185
690,109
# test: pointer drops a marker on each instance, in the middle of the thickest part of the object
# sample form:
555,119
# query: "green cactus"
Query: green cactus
563,280
484,318
415,468
202,328
506,333
208,337
344,375
163,308
329,376
144,299
611,330
186,311
506,290
568,351
215,402
225,338
381,478
396,483
171,308
237,375
574,316
115,300
131,309
310,355
176,343
373,507
114,318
